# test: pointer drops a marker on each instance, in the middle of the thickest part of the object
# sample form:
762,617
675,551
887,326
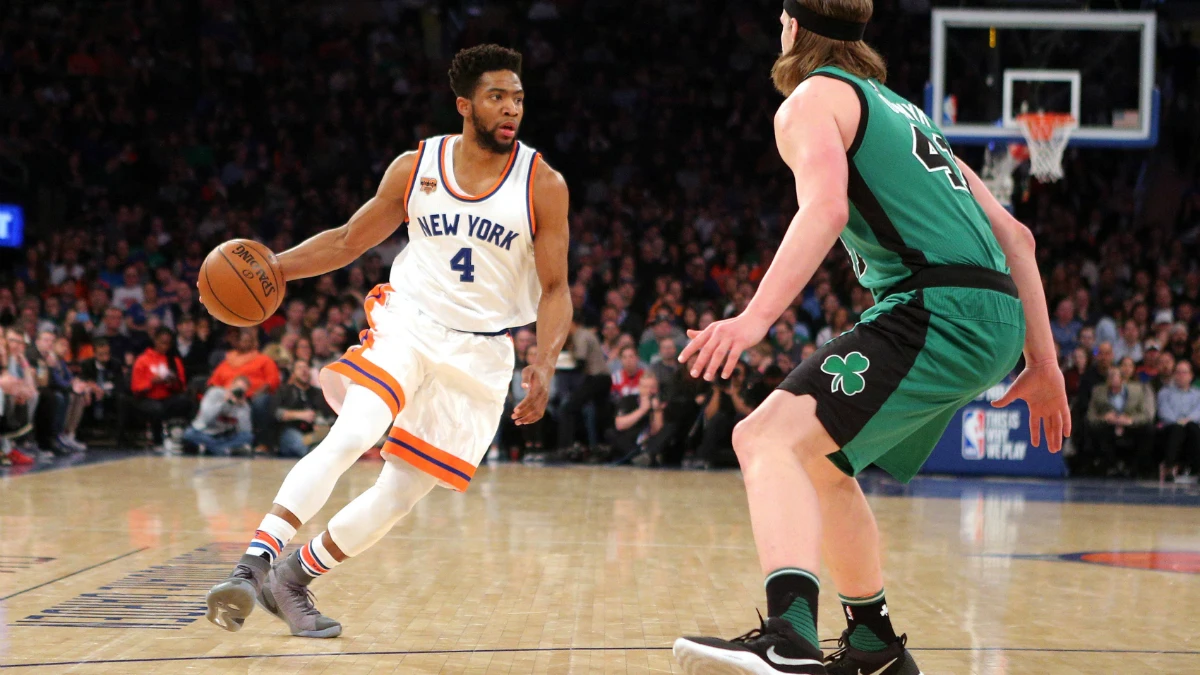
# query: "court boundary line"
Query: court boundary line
68,576
41,469
524,650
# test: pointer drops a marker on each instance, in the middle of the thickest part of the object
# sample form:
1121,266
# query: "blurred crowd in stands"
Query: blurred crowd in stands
139,134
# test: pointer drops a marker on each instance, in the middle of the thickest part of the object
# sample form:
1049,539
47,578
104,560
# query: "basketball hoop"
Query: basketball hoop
1046,134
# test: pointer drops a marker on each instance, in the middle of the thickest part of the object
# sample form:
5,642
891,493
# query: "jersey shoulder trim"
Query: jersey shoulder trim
533,166
495,188
864,109
412,177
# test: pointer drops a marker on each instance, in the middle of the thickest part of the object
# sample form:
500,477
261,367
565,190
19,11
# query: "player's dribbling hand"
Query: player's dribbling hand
719,346
535,380
1041,386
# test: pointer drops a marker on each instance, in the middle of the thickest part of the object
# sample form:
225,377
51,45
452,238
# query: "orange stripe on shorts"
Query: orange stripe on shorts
440,464
361,371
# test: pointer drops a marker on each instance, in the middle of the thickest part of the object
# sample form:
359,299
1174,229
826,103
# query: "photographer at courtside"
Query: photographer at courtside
300,407
223,423
638,434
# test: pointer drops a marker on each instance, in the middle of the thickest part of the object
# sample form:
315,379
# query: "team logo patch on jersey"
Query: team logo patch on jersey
428,185
847,372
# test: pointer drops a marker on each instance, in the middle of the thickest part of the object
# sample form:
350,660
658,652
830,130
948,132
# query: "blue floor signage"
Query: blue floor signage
992,441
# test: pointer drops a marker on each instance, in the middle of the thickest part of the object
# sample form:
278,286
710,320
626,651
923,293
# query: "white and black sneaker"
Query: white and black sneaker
774,647
895,660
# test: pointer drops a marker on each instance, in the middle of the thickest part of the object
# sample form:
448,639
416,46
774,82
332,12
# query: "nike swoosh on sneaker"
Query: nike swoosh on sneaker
775,658
877,672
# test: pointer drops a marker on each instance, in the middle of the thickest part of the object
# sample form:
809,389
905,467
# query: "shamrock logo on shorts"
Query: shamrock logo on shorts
847,372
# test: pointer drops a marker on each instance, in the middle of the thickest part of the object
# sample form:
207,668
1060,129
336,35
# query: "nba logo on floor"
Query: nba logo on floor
974,434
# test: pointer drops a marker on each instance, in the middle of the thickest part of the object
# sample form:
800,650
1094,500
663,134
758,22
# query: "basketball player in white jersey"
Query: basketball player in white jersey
487,224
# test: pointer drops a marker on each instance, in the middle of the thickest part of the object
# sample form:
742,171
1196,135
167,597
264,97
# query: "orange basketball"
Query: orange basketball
241,283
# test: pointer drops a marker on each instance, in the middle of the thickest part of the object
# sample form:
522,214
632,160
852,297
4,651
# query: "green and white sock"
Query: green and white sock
792,596
869,621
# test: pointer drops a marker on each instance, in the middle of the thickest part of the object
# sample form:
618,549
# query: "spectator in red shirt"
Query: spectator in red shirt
157,383
625,381
723,271
262,373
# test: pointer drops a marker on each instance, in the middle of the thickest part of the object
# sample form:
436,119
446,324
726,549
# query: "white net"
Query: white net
1046,134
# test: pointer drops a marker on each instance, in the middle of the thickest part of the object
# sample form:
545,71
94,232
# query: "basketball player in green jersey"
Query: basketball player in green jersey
958,297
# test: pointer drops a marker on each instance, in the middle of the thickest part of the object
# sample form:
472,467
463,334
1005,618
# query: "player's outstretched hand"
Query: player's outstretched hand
1041,386
719,346
535,380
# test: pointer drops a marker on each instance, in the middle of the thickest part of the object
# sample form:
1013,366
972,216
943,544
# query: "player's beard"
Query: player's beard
486,138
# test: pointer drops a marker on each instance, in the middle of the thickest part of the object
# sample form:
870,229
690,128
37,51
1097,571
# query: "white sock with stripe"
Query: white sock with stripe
314,559
271,536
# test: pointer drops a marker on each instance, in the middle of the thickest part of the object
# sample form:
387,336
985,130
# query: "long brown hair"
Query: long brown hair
811,51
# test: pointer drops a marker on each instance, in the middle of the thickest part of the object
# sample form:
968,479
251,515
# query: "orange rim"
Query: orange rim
1041,126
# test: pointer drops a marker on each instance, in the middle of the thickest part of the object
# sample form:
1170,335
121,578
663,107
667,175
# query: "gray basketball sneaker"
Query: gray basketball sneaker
287,596
232,600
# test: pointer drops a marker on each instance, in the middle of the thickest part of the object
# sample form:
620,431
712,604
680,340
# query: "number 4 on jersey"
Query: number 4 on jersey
461,262
934,153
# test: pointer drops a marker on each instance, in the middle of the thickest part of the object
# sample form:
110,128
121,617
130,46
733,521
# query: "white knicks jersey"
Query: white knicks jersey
469,263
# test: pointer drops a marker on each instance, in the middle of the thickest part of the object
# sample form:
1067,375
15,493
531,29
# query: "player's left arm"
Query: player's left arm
810,140
551,201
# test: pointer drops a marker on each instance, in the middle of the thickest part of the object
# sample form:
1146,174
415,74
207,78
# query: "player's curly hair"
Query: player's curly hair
470,64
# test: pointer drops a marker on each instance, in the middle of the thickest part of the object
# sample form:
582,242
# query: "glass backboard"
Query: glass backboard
989,66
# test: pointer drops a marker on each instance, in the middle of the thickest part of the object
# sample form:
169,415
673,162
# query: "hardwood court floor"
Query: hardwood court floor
579,570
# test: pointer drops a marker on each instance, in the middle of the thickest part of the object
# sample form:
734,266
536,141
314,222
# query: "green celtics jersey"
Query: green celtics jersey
910,206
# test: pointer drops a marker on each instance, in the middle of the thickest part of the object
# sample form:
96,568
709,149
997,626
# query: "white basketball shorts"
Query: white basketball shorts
445,388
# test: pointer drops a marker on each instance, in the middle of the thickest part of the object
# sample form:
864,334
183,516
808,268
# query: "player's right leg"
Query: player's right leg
851,550
774,445
354,529
364,419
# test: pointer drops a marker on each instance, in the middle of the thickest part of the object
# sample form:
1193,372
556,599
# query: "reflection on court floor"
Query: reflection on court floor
583,570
